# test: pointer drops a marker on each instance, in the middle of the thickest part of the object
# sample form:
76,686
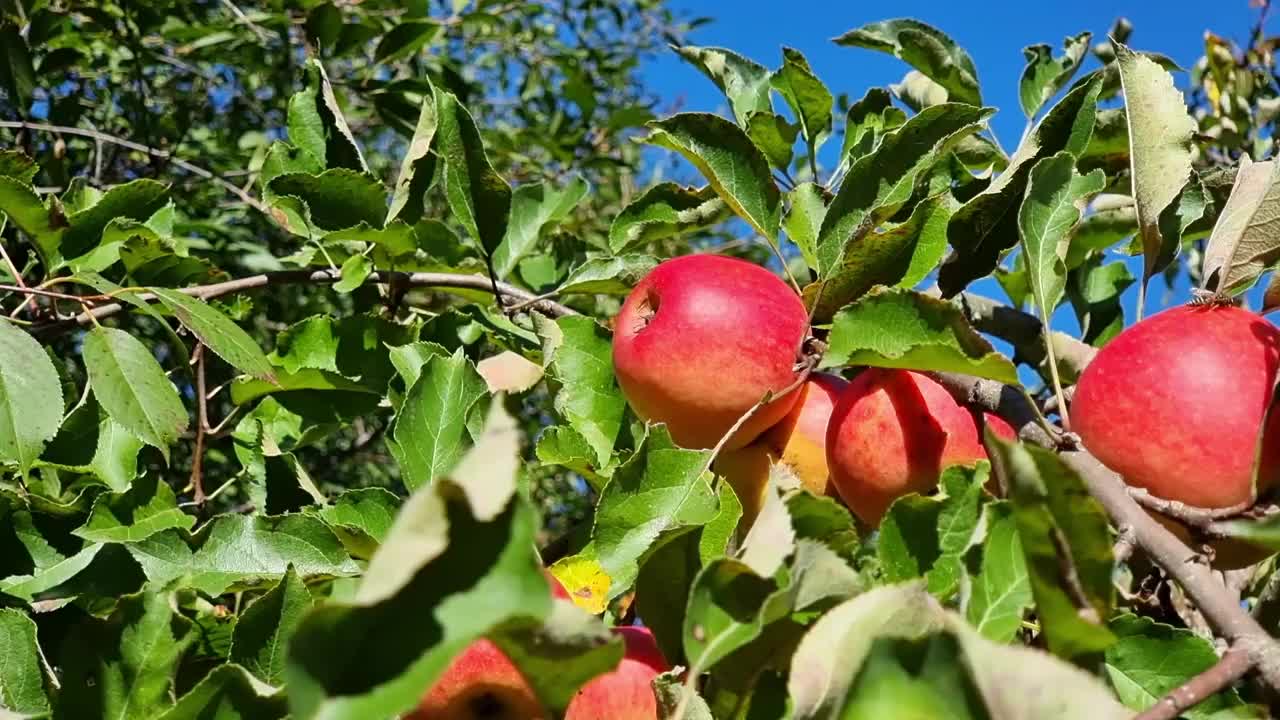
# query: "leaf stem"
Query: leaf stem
1052,359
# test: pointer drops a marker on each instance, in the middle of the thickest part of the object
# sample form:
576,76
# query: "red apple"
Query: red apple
798,441
892,433
626,693
1175,403
480,684
701,339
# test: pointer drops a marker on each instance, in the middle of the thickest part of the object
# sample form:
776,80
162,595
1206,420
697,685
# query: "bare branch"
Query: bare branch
316,277
202,427
1231,667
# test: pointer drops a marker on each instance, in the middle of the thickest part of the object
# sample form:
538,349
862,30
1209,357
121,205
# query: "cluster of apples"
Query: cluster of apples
482,682
1174,403
702,338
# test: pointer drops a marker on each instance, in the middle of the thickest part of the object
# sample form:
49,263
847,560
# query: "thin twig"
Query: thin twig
239,14
13,269
153,152
1230,668
82,299
202,427
1188,514
315,277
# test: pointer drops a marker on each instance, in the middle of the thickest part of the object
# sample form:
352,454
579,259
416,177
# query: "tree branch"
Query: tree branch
1231,667
1024,331
1183,564
315,277
153,152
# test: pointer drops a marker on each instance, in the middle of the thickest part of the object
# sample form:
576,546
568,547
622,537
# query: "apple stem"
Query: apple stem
1053,374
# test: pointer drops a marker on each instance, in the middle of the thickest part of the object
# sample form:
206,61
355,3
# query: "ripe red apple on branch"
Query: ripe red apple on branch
483,684
701,339
893,433
1174,404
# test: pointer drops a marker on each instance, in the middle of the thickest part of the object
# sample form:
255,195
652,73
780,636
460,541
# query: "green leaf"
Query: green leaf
744,82
1245,241
669,688
30,398
559,656
264,628
660,492
365,514
824,666
579,354
1095,290
1150,659
1056,196
316,124
736,169
17,165
396,239
218,331
125,667
925,48
417,168
478,197
664,210
607,275
132,387
534,208
146,508
355,270
774,136
459,572
1045,75
1067,545
987,224
900,255
926,536
808,98
21,679
867,122
231,692
914,678
240,552
1111,219
404,40
337,198
136,200
880,183
729,605
1029,682
1001,589
1160,153
898,328
806,208
17,73
45,225
432,422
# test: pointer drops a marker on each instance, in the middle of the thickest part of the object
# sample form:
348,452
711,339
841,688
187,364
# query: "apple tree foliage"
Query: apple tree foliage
305,357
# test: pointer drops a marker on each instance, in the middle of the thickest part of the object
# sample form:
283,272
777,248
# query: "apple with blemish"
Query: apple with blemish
703,338
893,432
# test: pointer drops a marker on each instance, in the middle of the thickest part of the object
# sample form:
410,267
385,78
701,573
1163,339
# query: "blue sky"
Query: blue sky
994,33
